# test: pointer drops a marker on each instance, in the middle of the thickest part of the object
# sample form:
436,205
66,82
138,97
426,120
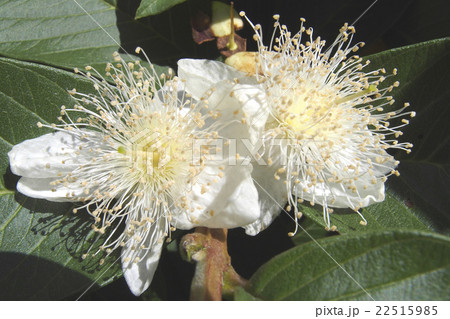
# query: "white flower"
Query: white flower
325,125
137,157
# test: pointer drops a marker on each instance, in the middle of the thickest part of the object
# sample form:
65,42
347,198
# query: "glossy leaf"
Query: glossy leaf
309,229
62,33
72,34
392,213
152,7
395,265
425,173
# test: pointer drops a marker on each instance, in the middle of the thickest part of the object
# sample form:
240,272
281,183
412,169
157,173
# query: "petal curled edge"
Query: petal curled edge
221,201
42,188
366,194
139,265
49,155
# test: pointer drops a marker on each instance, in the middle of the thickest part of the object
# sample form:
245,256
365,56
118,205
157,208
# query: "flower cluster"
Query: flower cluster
218,146
321,130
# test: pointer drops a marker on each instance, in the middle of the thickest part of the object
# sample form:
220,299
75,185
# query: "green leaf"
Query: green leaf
394,265
309,230
70,34
392,213
111,2
241,295
152,7
59,33
41,243
424,74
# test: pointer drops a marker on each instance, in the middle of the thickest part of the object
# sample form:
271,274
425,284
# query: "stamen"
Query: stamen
371,89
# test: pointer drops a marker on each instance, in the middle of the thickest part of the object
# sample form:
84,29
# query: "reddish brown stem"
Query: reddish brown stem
214,276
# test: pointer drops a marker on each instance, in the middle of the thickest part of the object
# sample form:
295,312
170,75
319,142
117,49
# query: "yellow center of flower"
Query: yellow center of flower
147,159
155,153
314,111
144,157
308,111
156,159
305,114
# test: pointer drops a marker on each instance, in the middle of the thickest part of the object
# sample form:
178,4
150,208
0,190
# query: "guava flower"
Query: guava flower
138,159
326,123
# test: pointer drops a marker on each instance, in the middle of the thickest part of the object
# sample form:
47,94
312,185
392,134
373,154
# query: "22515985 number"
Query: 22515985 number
406,310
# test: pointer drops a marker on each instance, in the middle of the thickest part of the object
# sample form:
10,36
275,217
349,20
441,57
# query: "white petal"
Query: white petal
43,157
139,275
242,206
243,118
41,188
272,197
344,197
254,105
228,202
364,192
201,75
